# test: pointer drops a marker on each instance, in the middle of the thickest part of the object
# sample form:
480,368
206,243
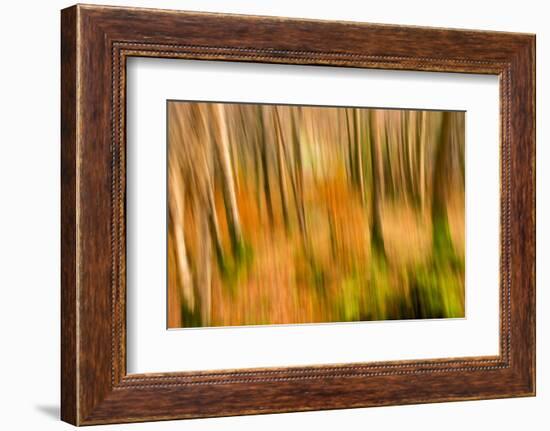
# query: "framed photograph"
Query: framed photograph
266,215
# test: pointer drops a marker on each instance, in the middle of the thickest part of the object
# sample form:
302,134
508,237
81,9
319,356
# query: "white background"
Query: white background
151,348
29,219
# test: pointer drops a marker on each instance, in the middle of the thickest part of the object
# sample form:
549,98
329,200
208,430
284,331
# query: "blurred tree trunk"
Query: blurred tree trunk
377,238
208,228
422,158
174,292
263,144
298,182
409,133
281,151
349,147
205,274
229,195
358,126
177,216
440,225
203,167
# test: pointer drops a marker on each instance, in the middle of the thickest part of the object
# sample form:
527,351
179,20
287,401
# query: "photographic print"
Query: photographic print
287,214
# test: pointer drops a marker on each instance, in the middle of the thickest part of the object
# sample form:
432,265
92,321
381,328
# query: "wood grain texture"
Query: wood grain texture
96,41
69,397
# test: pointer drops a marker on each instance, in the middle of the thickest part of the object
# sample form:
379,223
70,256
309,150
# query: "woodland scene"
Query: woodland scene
302,214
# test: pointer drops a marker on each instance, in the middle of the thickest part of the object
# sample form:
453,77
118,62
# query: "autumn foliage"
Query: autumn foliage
294,214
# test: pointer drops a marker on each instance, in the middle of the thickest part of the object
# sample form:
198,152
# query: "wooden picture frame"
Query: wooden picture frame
96,41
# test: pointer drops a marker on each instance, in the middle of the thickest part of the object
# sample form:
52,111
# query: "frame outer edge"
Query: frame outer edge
533,53
530,82
523,183
532,120
69,202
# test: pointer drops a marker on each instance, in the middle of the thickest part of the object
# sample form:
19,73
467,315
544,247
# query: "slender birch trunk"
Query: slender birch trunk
177,211
230,199
298,182
204,176
205,274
